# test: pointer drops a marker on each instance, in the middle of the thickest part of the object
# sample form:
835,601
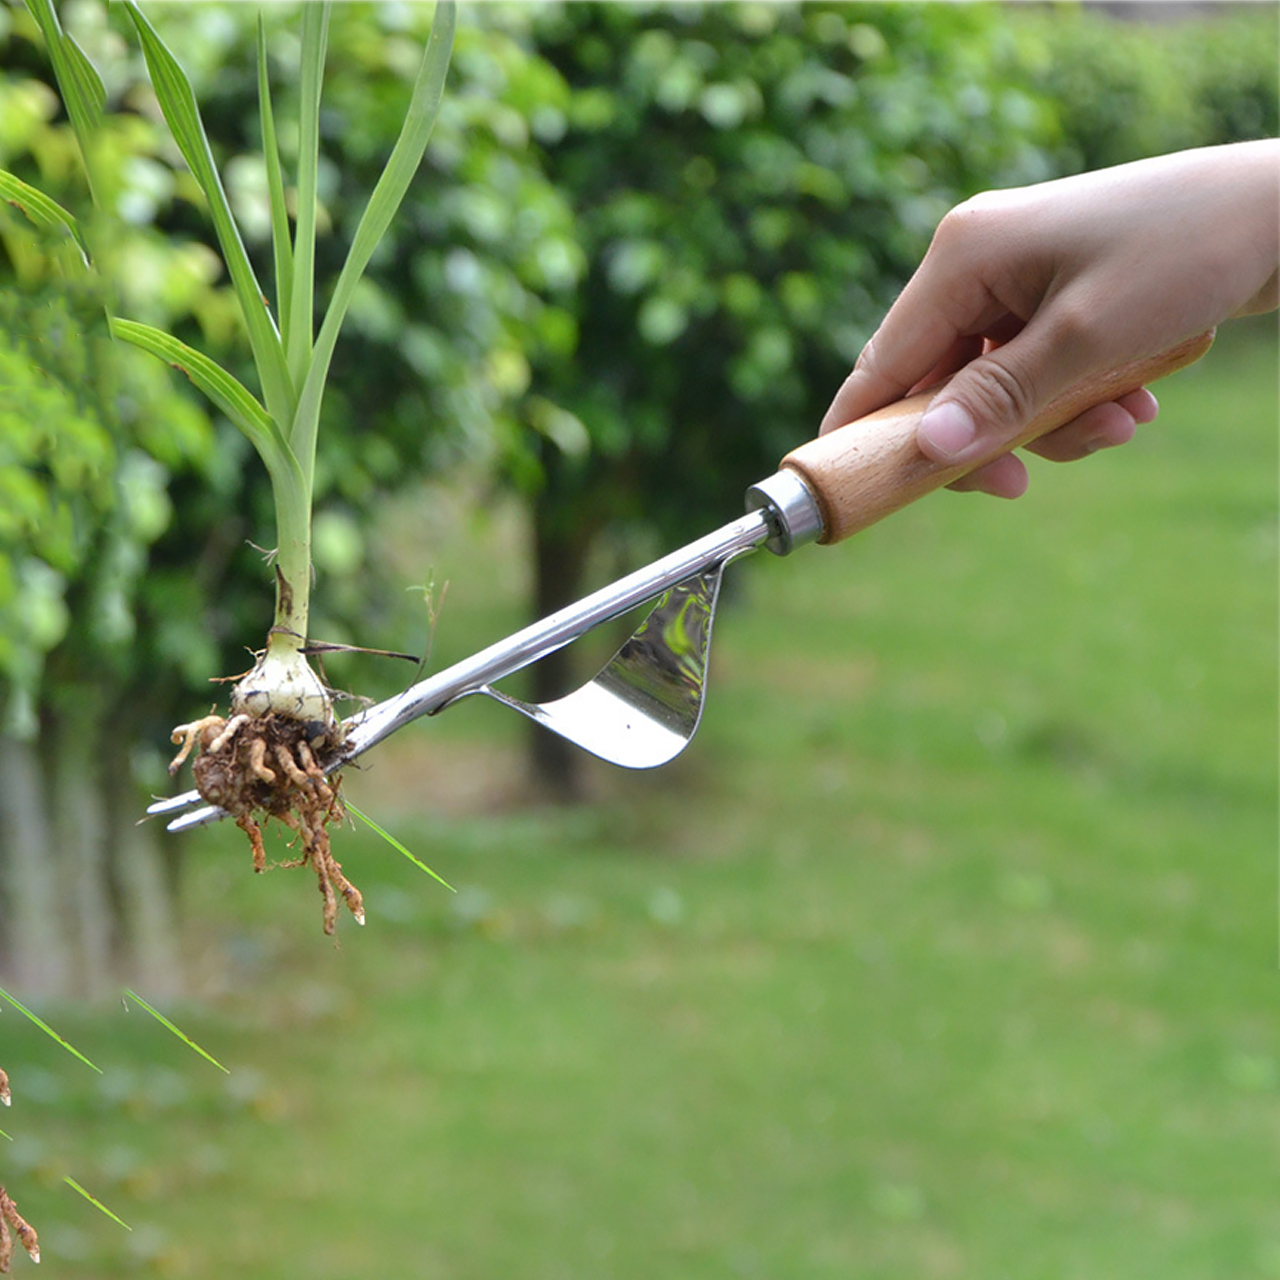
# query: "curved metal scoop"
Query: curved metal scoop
643,707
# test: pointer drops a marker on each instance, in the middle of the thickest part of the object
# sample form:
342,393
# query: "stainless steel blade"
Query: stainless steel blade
645,705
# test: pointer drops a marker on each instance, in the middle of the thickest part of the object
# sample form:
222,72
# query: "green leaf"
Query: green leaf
229,394
281,243
182,1035
395,844
182,114
48,1030
80,85
403,163
93,1200
88,93
43,211
315,34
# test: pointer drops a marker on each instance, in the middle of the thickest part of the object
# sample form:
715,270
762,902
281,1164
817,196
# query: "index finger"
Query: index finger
933,328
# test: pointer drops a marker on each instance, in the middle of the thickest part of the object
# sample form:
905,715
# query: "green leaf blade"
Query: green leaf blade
48,1030
395,844
90,95
42,210
229,394
182,114
93,1200
281,241
402,165
182,1035
315,37
82,89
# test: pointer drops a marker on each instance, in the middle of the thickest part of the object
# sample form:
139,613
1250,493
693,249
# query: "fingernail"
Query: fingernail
1145,407
946,430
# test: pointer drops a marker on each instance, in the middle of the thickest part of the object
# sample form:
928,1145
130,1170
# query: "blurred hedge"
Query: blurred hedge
1133,86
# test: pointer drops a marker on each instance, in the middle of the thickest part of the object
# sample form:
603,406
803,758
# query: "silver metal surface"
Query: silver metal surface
793,510
644,706
174,804
200,817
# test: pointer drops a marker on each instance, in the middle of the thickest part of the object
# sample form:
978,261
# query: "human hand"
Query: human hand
1024,293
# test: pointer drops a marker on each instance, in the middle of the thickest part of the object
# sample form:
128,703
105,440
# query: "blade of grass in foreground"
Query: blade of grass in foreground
83,92
97,1204
48,1030
395,844
182,1035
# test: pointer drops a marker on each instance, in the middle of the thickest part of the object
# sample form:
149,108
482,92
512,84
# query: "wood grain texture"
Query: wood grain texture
866,470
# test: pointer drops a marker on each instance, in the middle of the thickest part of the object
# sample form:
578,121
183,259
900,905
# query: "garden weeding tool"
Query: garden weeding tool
642,709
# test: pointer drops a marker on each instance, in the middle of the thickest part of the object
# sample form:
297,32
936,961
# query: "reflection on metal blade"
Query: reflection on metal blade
644,706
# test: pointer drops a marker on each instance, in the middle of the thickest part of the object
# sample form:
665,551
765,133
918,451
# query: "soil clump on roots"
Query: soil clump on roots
263,767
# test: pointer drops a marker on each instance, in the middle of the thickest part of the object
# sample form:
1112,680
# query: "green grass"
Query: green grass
949,949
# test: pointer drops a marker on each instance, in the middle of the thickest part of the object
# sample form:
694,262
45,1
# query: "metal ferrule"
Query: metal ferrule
791,509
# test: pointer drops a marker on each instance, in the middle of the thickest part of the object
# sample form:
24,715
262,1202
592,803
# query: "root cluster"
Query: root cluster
263,767
12,1223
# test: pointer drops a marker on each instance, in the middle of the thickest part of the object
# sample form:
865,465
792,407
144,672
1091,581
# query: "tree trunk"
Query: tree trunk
86,894
559,560
80,833
140,860
37,956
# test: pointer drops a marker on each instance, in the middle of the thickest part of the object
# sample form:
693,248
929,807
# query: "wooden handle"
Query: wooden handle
866,470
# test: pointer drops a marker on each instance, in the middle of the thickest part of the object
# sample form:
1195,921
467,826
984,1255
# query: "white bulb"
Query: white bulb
286,684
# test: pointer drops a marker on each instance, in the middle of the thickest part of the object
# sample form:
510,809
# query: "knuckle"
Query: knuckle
1073,326
1005,397
868,358
972,220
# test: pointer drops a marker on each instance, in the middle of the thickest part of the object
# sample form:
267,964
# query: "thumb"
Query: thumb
989,403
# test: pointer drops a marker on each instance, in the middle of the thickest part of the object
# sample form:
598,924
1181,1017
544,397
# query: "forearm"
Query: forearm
1259,166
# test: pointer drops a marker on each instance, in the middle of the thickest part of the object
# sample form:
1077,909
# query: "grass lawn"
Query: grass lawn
948,950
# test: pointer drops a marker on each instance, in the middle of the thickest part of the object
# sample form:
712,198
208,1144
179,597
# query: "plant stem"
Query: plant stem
282,680
292,492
